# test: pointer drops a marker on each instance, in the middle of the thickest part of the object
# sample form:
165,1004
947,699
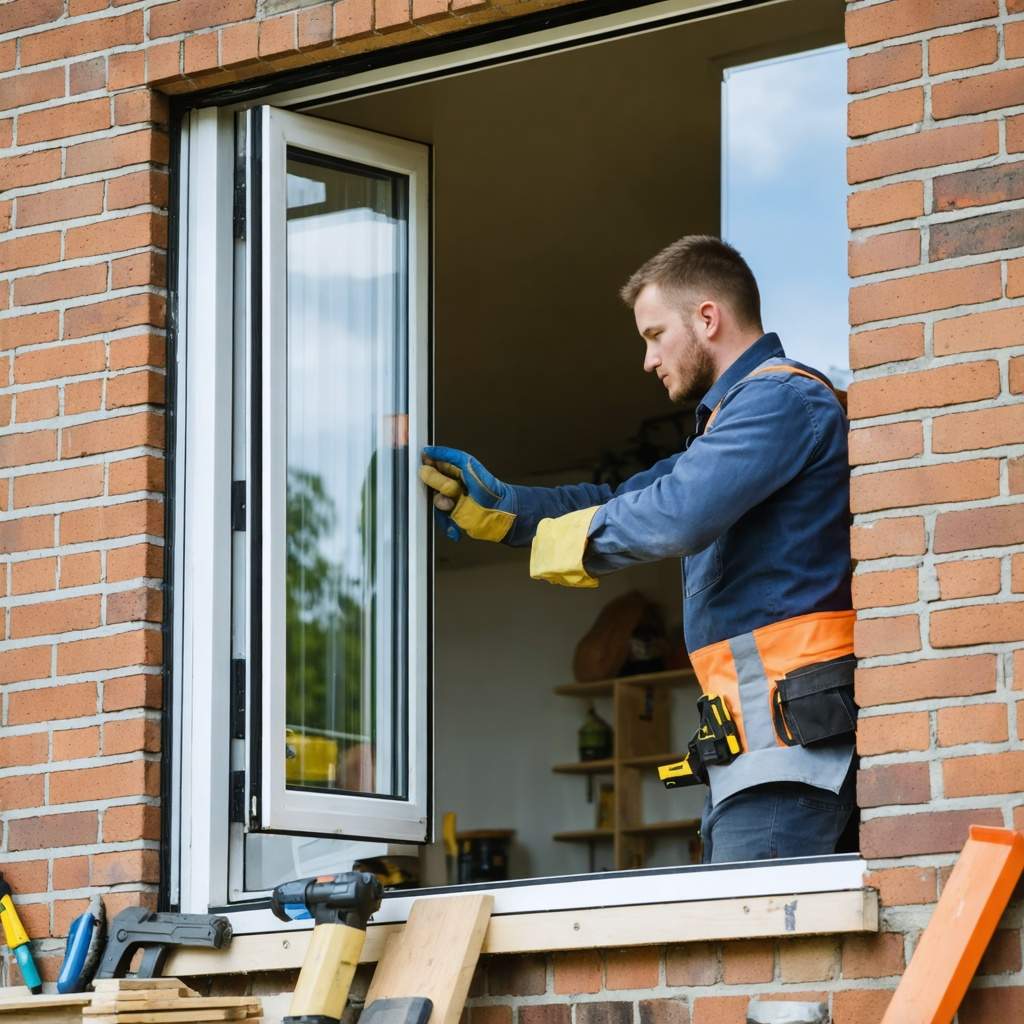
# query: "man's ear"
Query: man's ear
710,316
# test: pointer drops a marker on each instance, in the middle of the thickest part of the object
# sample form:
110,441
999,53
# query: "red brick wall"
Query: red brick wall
937,245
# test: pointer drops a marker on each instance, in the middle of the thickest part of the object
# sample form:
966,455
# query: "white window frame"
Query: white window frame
284,809
199,882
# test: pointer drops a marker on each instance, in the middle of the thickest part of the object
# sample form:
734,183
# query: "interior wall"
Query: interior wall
503,642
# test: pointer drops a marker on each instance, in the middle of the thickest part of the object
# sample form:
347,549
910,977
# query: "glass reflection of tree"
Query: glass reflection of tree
325,623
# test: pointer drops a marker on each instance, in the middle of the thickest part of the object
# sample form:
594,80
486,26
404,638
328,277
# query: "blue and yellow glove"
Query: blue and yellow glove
468,497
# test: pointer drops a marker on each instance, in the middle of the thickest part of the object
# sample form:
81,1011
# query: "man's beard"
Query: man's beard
698,375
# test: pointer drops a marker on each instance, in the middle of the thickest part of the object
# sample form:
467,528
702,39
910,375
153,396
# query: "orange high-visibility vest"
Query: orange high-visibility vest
745,670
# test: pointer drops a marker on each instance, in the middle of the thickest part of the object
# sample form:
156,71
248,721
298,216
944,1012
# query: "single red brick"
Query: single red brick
693,964
918,150
26,534
143,388
900,887
632,968
963,50
94,36
37,404
972,578
1015,134
720,1009
142,105
883,734
353,18
71,744
29,330
59,204
1003,954
127,70
873,956
517,976
888,66
189,15
926,485
928,678
64,361
19,791
888,784
138,188
748,962
1015,473
80,570
30,87
26,877
542,1013
655,1011
125,866
983,774
68,700
146,473
904,17
886,443
83,396
87,76
62,616
30,251
132,692
883,112
995,526
46,831
140,350
113,434
18,14
577,972
123,650
29,748
944,385
974,723
983,186
885,589
116,235
911,835
146,146
114,314
920,293
130,822
22,664
885,204
885,538
64,121
201,53
60,284
976,94
316,24
71,873
142,268
80,785
986,428
129,735
977,624
995,328
899,634
144,604
29,169
987,232
239,44
278,35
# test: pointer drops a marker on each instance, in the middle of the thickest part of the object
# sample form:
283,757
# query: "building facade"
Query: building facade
92,93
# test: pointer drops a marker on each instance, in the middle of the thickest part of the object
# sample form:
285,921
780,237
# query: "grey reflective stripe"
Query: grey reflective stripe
755,708
823,767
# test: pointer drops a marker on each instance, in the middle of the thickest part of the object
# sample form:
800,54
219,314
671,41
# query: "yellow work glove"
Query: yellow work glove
468,497
558,547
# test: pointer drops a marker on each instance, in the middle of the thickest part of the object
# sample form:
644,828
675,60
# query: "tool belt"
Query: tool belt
811,705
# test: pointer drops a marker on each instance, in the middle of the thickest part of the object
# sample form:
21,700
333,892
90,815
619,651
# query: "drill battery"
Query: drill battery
716,741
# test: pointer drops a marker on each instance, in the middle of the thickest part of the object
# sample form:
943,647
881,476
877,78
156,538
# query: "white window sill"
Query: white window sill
760,900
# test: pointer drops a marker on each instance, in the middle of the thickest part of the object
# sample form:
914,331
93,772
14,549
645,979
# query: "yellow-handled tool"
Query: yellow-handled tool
716,741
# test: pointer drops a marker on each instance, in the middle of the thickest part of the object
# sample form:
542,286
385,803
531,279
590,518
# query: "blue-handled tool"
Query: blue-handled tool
82,951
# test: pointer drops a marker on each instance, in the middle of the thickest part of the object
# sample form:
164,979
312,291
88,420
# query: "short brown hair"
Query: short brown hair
704,264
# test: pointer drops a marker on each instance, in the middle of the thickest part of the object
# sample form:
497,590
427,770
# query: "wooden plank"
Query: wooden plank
101,1004
971,905
752,917
184,1015
435,955
122,985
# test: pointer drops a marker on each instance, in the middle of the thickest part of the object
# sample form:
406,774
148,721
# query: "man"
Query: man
757,506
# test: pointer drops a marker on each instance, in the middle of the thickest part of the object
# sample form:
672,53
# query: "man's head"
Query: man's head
697,308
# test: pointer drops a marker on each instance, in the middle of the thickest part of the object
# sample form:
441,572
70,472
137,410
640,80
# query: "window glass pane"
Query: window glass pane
783,197
347,469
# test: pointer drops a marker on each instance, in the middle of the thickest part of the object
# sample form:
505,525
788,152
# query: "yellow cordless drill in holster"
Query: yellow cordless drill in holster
716,741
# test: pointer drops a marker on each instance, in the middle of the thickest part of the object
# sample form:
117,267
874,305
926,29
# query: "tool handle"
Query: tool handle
28,969
70,978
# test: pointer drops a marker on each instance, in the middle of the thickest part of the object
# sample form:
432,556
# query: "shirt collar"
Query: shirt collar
767,346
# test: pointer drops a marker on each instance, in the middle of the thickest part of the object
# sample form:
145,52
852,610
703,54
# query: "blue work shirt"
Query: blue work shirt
757,507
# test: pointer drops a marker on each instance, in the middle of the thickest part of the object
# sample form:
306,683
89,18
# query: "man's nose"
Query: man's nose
651,361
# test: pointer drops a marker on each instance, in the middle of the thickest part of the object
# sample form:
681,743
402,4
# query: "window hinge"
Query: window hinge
238,698
237,808
238,505
238,205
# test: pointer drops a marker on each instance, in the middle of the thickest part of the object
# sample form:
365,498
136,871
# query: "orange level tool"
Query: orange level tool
965,918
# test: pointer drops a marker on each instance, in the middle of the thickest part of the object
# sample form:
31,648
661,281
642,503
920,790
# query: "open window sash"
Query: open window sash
338,729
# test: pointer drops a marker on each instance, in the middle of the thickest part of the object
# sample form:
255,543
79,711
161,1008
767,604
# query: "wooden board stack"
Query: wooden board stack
162,1001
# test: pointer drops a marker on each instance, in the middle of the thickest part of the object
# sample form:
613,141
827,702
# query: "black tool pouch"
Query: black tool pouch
815,704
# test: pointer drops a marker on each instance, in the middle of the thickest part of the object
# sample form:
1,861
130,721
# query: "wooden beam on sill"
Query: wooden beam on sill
818,913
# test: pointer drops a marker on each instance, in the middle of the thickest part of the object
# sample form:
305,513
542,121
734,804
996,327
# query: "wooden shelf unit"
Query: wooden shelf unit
641,719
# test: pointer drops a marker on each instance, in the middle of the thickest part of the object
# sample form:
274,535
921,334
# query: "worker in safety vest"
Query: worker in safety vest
757,507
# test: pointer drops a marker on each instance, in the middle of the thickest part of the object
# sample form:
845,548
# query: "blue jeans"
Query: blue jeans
780,819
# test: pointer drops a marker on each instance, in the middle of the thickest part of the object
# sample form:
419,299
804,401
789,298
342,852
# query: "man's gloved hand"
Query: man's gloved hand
468,496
